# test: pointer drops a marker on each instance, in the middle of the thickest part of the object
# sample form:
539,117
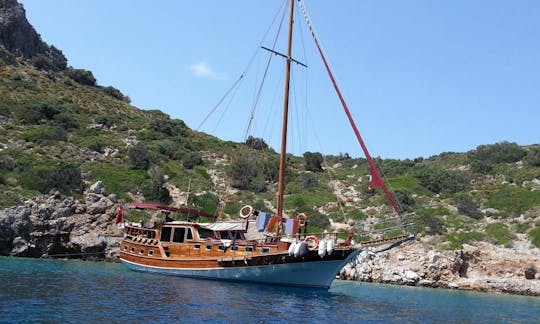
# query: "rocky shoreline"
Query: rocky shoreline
479,267
57,226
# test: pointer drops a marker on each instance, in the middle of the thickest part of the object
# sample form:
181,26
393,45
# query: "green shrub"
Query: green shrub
168,127
499,233
64,177
206,202
27,115
533,156
46,134
169,148
443,181
192,159
313,161
483,167
432,225
404,200
249,171
513,200
118,178
503,152
139,157
46,113
394,168
256,143
458,239
534,235
308,181
466,206
106,121
318,220
96,145
117,94
81,76
66,120
154,190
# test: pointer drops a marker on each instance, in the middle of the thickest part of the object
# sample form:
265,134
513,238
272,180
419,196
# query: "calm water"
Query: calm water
76,291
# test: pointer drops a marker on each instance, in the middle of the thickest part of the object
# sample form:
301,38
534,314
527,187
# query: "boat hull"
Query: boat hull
314,274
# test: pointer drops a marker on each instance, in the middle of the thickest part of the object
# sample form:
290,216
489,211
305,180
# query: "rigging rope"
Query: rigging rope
376,181
220,101
236,83
256,101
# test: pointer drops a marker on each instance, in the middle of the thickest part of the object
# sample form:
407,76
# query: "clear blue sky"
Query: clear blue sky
421,77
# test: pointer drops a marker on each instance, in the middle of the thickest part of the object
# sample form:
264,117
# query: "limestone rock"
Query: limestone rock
56,225
20,247
97,187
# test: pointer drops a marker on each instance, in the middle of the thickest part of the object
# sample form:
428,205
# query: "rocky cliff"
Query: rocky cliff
57,226
18,39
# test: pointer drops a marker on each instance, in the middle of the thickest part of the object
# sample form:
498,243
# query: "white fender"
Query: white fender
292,247
330,246
322,248
226,243
301,249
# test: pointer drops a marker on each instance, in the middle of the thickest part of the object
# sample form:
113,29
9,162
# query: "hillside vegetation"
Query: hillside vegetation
61,131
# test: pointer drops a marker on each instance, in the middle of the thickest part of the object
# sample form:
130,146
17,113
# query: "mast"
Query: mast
283,153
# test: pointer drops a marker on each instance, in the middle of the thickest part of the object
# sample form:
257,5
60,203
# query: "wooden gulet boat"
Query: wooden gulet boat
221,251
284,254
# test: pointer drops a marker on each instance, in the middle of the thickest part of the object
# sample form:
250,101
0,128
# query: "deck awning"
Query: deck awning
225,226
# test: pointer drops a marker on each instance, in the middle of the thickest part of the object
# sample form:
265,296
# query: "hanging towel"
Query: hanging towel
291,226
262,221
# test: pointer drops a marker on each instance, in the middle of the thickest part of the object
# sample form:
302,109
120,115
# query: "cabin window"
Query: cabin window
197,247
221,248
205,233
166,234
150,253
265,249
141,252
234,248
208,247
232,235
179,233
249,248
189,234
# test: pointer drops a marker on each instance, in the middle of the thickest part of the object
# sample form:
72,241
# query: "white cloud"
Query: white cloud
203,70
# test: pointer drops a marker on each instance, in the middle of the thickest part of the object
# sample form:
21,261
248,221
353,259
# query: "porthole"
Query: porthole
197,247
132,250
125,248
150,253
221,248
234,248
265,249
141,252
249,248
208,247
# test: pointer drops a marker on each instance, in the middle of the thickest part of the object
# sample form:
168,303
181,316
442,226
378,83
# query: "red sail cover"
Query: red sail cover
119,215
376,180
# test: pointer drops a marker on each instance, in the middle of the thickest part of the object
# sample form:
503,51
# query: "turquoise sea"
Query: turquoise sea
67,291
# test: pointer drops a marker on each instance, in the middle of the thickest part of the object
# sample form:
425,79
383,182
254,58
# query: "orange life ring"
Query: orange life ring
312,242
301,218
249,210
